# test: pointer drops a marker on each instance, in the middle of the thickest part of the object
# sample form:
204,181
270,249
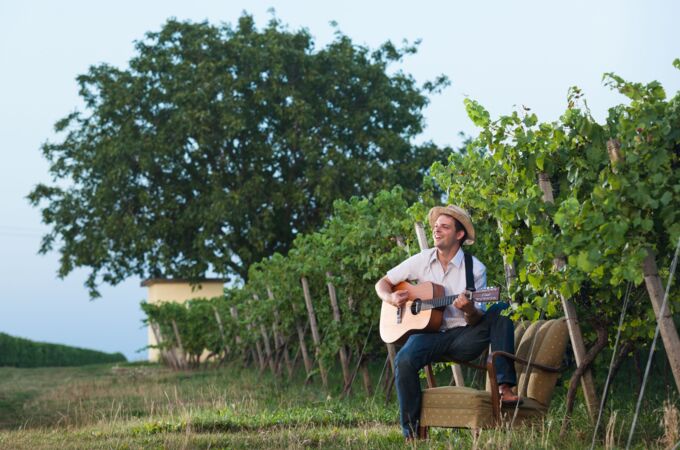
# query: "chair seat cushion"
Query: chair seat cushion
454,406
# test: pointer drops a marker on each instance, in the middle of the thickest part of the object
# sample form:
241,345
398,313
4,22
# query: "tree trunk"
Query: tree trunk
366,377
601,342
618,360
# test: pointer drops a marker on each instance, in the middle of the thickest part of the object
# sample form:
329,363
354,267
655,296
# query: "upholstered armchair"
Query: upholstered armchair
539,349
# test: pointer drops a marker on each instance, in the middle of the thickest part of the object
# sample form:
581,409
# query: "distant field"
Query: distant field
140,405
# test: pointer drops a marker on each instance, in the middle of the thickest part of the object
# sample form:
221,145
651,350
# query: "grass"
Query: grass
149,406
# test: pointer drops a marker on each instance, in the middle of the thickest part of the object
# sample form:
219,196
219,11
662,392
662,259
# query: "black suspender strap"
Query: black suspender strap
469,277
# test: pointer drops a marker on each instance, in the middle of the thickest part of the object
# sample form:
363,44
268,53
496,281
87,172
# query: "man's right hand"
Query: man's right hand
384,289
398,298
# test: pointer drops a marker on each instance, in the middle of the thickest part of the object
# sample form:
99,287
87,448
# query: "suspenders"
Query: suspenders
469,277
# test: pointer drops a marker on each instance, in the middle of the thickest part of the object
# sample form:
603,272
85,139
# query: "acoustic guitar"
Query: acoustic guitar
423,311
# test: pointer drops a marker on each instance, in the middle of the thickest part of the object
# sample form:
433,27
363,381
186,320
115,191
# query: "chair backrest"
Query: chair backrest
524,348
551,353
543,342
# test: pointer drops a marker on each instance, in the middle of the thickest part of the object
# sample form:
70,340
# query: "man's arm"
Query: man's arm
384,289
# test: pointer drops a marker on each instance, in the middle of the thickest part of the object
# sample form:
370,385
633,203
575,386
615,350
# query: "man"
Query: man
466,329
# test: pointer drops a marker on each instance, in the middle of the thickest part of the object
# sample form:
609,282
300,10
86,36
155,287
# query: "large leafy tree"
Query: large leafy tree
219,144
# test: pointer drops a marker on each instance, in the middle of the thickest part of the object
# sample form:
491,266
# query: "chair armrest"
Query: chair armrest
524,362
429,374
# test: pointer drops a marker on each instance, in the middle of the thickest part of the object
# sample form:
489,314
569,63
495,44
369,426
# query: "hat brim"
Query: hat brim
458,214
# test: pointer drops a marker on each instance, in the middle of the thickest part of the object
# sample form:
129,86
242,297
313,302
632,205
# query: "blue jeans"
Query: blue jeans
460,343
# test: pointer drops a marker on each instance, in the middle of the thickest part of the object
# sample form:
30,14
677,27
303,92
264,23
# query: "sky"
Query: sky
504,54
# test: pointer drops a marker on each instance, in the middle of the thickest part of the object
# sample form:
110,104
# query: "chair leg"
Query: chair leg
422,432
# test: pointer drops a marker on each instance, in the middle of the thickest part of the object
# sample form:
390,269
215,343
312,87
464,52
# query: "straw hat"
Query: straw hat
457,213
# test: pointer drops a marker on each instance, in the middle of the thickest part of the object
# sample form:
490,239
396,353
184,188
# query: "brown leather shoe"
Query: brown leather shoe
508,398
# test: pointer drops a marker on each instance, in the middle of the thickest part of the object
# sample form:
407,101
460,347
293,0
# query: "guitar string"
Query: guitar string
449,299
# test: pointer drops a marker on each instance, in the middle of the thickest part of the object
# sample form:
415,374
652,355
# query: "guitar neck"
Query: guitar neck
481,296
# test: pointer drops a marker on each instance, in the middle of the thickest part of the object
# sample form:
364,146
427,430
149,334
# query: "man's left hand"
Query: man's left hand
464,304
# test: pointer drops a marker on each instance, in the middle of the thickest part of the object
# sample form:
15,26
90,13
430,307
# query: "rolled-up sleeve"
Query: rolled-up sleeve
408,270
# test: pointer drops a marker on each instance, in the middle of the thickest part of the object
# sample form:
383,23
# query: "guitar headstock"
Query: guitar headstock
491,294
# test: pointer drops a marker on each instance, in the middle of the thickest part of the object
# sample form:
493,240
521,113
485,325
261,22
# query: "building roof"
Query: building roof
151,281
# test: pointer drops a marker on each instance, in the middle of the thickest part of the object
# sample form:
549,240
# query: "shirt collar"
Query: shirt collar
456,261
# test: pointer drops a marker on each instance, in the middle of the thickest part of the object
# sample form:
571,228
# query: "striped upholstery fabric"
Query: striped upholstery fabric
520,328
550,353
531,341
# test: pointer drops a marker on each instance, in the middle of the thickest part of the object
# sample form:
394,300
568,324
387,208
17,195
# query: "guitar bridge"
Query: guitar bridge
399,315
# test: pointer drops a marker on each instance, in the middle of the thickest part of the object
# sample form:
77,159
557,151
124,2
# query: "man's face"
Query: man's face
444,232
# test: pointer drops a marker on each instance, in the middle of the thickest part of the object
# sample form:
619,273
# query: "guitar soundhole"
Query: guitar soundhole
415,306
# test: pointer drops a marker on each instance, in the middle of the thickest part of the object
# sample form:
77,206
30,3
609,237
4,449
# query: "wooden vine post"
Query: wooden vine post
268,349
315,331
279,339
303,346
265,340
282,345
309,366
182,359
258,350
167,354
344,360
509,270
575,334
455,368
238,340
655,289
220,325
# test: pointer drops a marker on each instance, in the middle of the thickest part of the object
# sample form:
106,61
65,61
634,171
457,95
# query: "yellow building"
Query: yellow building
164,290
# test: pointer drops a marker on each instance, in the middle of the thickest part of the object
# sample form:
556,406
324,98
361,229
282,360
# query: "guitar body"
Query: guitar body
397,324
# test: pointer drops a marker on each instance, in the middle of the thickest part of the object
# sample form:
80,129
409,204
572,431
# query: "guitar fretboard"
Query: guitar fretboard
481,296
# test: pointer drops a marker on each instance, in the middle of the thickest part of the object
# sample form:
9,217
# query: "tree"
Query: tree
218,145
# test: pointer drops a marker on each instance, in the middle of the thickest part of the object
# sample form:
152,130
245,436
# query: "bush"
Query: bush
18,352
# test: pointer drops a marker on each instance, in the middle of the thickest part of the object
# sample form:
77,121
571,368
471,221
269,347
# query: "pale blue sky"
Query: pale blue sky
502,53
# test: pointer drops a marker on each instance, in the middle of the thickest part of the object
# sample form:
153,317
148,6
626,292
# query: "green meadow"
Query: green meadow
135,405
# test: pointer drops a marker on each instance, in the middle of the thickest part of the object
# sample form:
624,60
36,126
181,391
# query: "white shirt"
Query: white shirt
425,266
